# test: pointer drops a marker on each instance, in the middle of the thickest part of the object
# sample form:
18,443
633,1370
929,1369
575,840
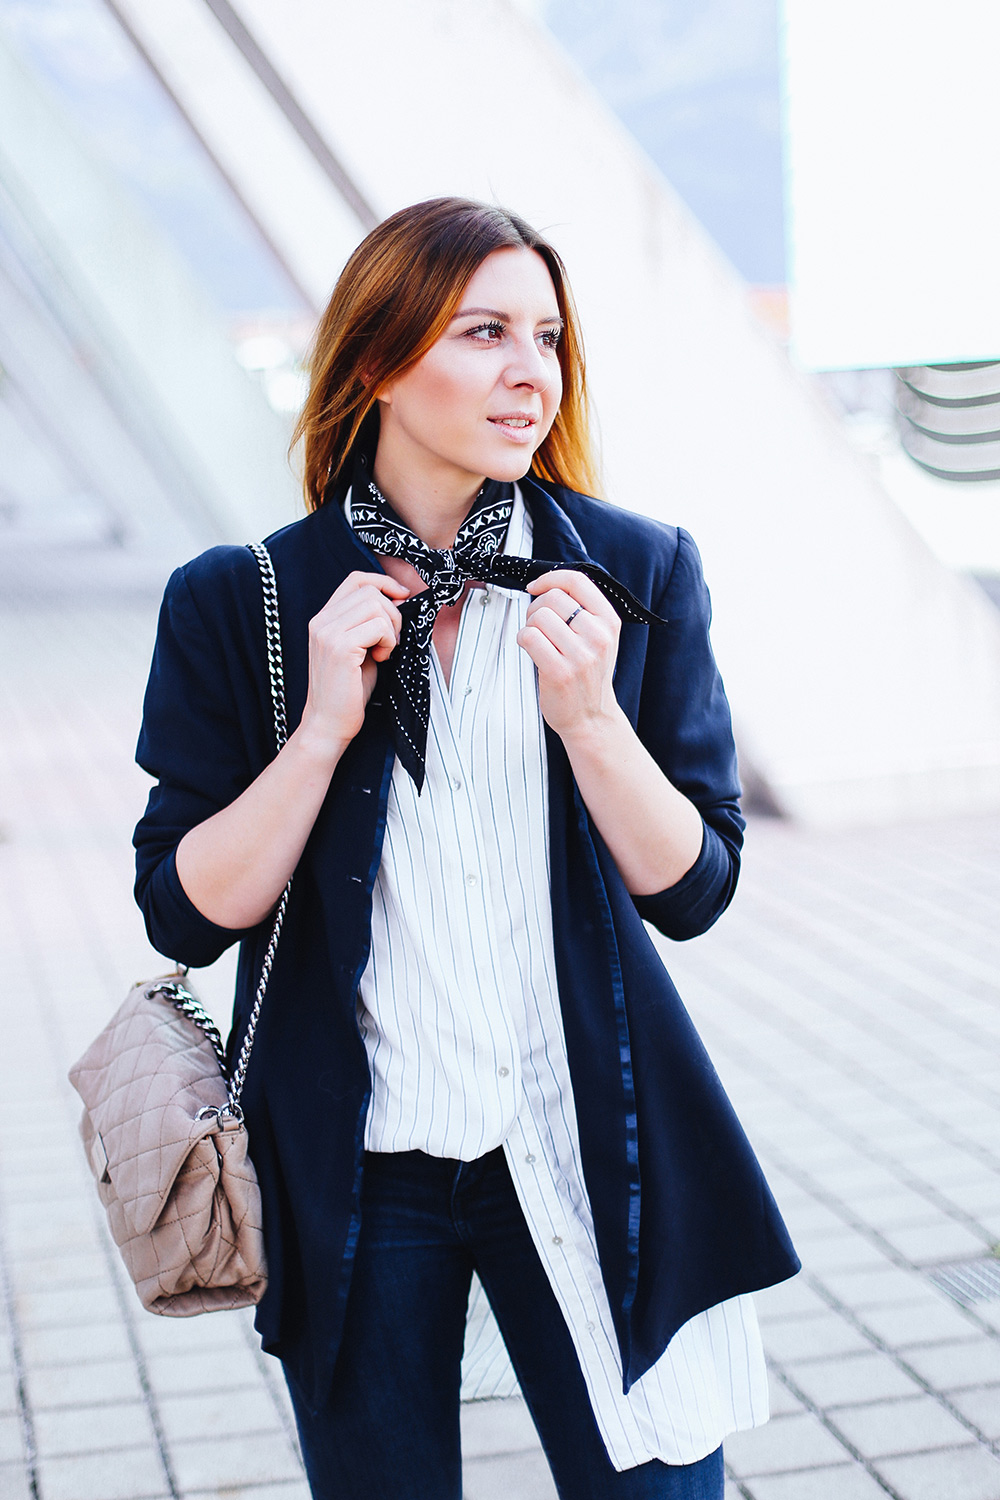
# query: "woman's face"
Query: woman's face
483,398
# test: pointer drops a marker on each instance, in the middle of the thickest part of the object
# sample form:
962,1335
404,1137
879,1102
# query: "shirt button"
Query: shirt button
589,1327
456,782
557,1239
530,1159
485,598
467,691
503,1072
470,880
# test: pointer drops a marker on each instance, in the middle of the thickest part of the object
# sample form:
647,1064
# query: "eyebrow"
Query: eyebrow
501,317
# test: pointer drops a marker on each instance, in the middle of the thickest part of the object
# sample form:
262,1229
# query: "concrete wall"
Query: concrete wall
118,312
864,675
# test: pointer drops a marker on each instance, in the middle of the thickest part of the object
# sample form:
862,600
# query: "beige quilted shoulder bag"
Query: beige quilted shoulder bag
163,1128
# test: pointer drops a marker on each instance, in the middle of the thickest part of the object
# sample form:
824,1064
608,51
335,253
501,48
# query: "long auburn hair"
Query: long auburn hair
393,300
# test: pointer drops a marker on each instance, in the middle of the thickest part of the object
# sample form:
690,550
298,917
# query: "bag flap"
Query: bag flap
143,1081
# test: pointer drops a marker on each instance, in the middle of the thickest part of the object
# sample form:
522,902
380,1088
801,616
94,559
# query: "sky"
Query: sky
697,82
79,47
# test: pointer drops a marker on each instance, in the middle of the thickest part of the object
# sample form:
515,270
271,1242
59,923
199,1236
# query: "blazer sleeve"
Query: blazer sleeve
201,738
684,721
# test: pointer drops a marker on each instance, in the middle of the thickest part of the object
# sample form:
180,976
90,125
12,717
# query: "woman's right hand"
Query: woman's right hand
234,866
356,629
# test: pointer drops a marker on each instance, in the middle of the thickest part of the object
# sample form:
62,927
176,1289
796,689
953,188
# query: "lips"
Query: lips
514,421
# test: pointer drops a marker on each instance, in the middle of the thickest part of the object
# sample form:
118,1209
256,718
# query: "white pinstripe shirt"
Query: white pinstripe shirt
459,1010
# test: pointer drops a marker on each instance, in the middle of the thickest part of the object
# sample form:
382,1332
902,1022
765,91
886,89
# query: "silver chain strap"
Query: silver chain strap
272,627
189,1005
276,675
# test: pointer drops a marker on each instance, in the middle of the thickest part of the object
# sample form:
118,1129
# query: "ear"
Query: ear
384,393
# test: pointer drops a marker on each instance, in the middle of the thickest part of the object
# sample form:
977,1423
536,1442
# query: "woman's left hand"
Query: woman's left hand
571,634
653,831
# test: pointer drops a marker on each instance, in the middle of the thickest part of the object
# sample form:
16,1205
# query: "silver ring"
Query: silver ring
572,617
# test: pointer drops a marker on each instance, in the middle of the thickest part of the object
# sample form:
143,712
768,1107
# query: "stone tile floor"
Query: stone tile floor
849,998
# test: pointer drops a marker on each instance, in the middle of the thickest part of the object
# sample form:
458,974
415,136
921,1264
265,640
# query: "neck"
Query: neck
434,506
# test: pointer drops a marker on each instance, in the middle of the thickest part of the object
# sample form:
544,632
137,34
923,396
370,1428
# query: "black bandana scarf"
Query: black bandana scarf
476,555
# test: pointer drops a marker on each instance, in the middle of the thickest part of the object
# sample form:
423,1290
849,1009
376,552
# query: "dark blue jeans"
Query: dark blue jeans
390,1430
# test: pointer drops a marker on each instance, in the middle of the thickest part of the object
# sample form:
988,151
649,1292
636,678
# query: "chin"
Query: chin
510,468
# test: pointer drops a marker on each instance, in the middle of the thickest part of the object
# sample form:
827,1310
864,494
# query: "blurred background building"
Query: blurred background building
179,186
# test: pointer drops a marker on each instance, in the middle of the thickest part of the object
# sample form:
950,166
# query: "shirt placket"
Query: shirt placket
478,623
563,1242
500,1039
486,645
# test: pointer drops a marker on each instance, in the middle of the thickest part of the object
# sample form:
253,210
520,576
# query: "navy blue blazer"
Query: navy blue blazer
682,1214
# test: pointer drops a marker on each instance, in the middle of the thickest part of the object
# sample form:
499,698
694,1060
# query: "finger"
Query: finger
381,581
585,638
563,637
581,589
553,625
346,607
387,609
385,647
601,632
547,658
384,582
372,636
571,610
557,600
362,630
338,615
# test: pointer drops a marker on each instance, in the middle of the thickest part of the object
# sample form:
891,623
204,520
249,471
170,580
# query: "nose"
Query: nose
527,365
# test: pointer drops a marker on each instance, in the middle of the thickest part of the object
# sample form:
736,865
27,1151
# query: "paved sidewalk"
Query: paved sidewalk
850,1000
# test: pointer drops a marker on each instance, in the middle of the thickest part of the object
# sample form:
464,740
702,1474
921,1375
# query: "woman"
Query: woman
470,1056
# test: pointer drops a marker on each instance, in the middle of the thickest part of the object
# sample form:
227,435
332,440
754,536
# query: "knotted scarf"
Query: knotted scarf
476,555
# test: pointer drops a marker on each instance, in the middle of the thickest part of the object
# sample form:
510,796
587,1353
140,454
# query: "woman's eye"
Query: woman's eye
549,339
486,333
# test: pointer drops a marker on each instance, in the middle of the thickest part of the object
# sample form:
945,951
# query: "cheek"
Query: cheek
552,397
441,385
452,394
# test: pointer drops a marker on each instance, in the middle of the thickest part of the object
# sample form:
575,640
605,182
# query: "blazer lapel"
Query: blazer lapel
342,541
554,537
